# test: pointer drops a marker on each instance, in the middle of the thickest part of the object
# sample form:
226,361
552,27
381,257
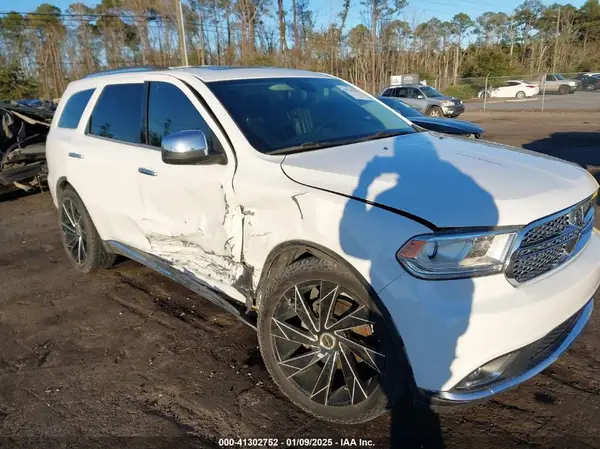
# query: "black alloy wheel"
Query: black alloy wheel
74,232
79,236
325,343
324,346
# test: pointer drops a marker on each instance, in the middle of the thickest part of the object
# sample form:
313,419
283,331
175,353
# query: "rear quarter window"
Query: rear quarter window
74,108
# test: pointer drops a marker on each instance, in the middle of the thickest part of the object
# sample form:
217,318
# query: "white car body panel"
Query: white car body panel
512,91
220,221
468,322
430,176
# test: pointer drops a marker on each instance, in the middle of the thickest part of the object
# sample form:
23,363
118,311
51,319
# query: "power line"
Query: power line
81,18
450,5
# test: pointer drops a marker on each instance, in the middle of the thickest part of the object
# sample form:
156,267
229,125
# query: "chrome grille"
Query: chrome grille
548,243
543,231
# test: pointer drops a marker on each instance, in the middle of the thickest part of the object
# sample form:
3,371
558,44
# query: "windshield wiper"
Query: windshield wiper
306,146
311,146
384,134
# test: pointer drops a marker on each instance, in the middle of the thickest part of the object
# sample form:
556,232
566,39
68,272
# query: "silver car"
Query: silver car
426,99
556,83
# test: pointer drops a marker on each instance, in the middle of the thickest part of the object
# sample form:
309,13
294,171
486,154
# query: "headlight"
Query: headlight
457,255
447,103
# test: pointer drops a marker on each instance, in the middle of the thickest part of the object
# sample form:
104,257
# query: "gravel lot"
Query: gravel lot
88,360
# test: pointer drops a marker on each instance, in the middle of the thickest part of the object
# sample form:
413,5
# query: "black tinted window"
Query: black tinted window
283,113
117,113
170,111
72,111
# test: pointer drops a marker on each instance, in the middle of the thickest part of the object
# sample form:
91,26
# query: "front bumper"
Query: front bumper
450,328
531,360
453,111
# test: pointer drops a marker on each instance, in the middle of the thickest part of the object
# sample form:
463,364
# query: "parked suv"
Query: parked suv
426,99
591,82
556,83
380,260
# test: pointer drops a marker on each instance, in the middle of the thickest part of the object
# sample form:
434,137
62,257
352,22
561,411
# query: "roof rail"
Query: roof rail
145,68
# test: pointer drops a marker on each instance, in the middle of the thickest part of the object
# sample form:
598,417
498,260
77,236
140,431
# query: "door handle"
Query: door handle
76,155
146,171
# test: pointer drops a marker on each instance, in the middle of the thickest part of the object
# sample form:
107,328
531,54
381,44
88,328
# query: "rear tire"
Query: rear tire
84,247
312,356
520,94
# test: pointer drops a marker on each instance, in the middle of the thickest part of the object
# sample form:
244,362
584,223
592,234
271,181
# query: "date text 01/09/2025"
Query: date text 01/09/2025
295,442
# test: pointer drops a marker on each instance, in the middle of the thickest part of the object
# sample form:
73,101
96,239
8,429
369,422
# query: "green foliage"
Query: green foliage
428,76
490,60
263,60
15,85
462,91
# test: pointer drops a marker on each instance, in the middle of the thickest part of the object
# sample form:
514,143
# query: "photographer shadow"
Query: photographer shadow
430,186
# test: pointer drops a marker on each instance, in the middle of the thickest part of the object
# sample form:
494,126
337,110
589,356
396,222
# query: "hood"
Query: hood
446,181
445,125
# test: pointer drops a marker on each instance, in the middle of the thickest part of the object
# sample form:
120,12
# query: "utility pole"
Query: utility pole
556,42
182,46
201,26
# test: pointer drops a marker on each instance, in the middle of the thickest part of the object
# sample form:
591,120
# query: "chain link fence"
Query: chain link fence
578,91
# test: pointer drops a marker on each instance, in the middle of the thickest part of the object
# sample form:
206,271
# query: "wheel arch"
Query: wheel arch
564,87
286,253
61,183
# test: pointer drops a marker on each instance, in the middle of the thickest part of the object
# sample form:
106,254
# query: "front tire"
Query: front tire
563,90
79,236
325,344
435,111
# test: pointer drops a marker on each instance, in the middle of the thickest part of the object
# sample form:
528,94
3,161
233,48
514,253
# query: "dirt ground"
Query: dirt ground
88,360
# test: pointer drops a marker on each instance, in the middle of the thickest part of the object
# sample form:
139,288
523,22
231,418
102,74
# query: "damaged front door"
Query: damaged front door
190,217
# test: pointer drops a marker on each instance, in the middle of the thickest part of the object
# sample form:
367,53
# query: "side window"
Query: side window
387,93
117,114
549,77
72,111
402,92
170,111
413,93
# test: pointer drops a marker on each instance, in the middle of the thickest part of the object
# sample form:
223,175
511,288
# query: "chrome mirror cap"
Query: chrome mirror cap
189,148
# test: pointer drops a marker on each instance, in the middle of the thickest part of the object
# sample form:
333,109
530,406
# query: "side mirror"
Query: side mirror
189,148
420,97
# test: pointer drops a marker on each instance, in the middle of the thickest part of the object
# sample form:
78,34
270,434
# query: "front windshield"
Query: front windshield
559,77
276,114
402,108
431,92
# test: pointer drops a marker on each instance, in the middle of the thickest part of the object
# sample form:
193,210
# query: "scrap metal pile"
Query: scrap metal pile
23,132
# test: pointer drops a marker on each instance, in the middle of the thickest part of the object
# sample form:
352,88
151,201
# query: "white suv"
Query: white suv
380,260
